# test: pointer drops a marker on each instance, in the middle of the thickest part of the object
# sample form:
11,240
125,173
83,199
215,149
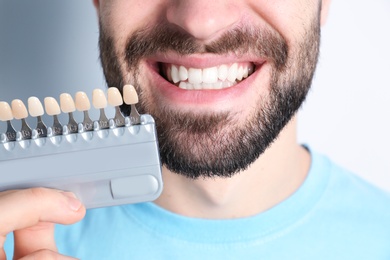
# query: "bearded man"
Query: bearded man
223,80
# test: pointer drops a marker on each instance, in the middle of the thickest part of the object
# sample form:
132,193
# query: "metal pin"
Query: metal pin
19,111
99,101
115,100
6,116
35,109
53,109
83,104
131,98
68,106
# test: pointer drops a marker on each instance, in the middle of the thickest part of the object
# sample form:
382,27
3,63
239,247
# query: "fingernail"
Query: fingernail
73,202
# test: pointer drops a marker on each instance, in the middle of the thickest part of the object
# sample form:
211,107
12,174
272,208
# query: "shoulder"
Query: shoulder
346,191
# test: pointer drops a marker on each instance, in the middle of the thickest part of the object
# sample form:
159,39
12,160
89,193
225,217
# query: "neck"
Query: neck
272,178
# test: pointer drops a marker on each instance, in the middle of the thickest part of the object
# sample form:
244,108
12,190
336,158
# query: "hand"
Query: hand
31,215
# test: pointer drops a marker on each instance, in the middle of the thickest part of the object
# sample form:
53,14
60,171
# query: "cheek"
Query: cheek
289,18
122,17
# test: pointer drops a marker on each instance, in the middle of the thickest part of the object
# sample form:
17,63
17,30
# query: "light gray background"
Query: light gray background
50,47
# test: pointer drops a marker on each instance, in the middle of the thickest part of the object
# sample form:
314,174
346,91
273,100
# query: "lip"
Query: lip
170,94
201,61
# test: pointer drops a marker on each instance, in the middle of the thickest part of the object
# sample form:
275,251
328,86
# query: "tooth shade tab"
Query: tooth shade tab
200,77
130,95
19,110
51,106
35,107
114,97
5,112
82,102
67,103
99,99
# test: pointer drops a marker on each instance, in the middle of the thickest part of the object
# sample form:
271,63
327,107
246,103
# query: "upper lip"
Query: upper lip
203,60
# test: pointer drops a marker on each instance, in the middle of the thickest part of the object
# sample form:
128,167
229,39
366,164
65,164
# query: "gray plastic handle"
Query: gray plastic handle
103,168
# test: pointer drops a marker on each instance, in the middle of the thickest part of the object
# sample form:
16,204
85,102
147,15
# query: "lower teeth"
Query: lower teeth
218,85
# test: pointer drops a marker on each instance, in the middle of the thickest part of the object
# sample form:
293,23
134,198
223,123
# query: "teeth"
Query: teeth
210,75
223,72
218,85
175,74
208,78
232,73
195,76
183,73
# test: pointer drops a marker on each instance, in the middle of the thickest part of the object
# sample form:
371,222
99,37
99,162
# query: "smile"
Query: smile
217,77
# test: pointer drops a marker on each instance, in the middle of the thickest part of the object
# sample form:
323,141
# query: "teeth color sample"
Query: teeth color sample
114,97
5,112
51,106
130,95
19,110
82,101
67,103
99,99
35,107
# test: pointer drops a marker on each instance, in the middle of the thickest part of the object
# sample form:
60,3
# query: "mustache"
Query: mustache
260,42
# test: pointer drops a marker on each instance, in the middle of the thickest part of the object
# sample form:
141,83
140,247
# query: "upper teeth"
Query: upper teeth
208,78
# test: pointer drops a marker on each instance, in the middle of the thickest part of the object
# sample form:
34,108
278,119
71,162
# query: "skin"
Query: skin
30,214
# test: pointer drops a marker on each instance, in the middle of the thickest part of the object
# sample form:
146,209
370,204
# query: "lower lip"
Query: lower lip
178,96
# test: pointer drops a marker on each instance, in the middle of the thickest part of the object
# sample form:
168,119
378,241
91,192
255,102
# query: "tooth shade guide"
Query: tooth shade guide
130,95
82,101
53,109
114,97
51,106
19,110
99,99
5,112
68,106
6,115
67,103
131,98
35,107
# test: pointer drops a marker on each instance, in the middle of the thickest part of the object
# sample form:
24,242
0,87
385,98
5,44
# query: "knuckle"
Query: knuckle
37,193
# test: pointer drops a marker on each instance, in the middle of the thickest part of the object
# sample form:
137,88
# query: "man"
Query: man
223,79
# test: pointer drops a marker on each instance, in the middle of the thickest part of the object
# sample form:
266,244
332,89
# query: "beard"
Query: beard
216,144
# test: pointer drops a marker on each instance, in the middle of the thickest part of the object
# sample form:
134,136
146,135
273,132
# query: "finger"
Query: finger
33,239
25,208
2,254
47,255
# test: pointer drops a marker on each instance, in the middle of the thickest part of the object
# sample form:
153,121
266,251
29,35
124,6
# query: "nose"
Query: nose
203,19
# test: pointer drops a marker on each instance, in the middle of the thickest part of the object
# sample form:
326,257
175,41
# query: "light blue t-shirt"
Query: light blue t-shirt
333,215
